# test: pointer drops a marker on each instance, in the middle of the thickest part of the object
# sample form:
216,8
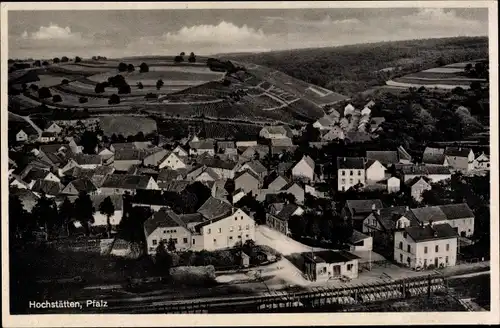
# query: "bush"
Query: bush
182,53
226,82
34,87
151,96
37,63
44,93
82,100
56,60
130,68
122,67
56,98
99,88
124,89
159,84
144,68
77,59
45,63
178,59
117,81
140,86
114,99
64,59
64,81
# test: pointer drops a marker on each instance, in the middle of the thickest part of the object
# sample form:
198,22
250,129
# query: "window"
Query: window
437,248
151,249
230,237
359,172
235,218
175,240
239,228
446,259
231,229
352,172
248,227
185,240
241,217
239,237
194,241
154,242
343,181
425,263
209,231
164,231
349,267
220,230
215,241
401,258
408,260
400,245
247,236
447,247
351,180
425,250
408,248
343,172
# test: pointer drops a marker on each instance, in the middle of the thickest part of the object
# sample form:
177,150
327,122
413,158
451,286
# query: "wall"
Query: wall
179,234
345,180
101,220
302,169
325,270
465,226
375,172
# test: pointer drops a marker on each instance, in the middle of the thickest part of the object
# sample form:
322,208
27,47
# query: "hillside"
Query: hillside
355,68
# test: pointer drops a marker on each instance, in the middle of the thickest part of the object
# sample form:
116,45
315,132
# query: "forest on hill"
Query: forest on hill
355,68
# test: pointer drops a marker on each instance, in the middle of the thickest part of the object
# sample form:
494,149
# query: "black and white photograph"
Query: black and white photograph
249,159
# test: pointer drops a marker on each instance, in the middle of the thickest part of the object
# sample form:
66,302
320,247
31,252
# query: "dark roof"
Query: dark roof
48,134
363,206
429,213
149,197
54,148
350,163
47,187
239,174
414,180
430,158
457,151
384,157
83,159
214,208
191,218
437,231
286,212
330,256
35,174
129,154
457,211
126,181
389,215
284,167
216,163
117,201
167,174
164,218
202,144
256,166
357,236
84,184
411,169
176,186
357,136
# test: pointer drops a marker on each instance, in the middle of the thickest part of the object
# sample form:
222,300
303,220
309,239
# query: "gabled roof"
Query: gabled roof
202,144
414,180
358,136
431,150
249,152
285,166
363,206
176,186
126,181
214,208
131,145
216,163
34,174
47,187
429,213
430,158
47,134
54,148
167,174
424,170
389,215
282,142
357,237
129,155
164,218
384,157
403,154
286,212
84,159
226,144
83,184
457,151
256,166
246,172
308,160
330,256
281,129
457,211
353,163
436,232
325,121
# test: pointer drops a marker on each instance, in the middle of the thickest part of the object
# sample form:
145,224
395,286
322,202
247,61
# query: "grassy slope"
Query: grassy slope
354,68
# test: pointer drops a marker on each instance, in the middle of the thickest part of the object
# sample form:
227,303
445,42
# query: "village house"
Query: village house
124,159
375,171
224,168
200,147
349,110
376,124
324,123
418,186
254,152
389,219
227,147
370,104
237,195
304,169
47,187
247,181
326,265
86,161
167,174
47,137
281,146
203,173
366,111
482,162
359,242
136,145
278,183
80,185
27,197
350,172
356,211
180,151
334,133
245,144
276,132
433,173
393,185
458,216
388,158
117,184
419,247
255,167
26,133
434,156
279,221
357,137
54,128
296,190
100,220
460,159
154,157
172,161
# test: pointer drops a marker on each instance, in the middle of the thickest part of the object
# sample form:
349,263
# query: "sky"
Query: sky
114,33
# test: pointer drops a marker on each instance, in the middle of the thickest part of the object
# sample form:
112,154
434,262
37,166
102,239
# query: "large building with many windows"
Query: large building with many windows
350,172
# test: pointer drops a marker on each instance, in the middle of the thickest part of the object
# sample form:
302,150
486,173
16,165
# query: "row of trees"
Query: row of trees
53,219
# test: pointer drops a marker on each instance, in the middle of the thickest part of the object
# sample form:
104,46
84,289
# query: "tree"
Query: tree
140,86
99,88
18,217
159,84
182,53
56,60
44,93
89,141
64,59
122,67
84,210
130,68
468,68
44,213
66,213
192,58
56,98
82,100
77,59
163,259
297,225
107,208
178,59
124,89
143,68
65,81
34,87
37,63
45,63
114,99
226,82
475,86
171,245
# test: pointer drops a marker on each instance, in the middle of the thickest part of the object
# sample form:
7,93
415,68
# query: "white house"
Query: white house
304,169
180,151
334,133
482,162
393,185
54,128
360,242
324,123
460,159
366,111
21,136
326,265
349,110
350,172
173,161
375,171
275,132
423,246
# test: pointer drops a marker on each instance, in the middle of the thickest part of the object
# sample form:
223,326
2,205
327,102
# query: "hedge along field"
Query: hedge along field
72,100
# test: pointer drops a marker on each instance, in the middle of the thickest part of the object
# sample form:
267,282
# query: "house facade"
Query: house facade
375,171
172,161
326,265
350,172
21,136
460,159
304,169
482,162
393,185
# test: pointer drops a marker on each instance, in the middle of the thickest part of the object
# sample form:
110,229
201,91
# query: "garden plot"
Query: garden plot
47,80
